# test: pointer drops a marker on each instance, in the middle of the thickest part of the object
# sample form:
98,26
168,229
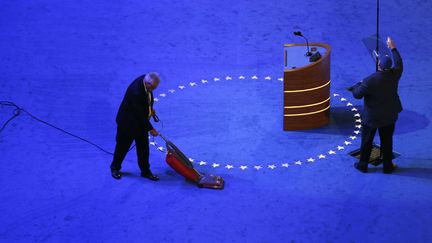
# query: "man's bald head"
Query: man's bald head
151,81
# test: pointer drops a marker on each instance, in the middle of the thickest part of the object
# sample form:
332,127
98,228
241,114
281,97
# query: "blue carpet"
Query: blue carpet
70,62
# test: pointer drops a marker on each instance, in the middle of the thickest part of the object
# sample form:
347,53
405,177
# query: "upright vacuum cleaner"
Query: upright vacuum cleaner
181,164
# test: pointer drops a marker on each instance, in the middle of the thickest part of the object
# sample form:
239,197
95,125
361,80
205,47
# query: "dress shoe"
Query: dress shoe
360,168
150,176
116,174
389,170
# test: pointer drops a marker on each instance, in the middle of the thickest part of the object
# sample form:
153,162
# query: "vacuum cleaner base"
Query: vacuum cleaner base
210,181
181,164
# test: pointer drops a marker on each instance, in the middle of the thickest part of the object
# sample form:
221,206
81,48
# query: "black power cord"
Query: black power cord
18,111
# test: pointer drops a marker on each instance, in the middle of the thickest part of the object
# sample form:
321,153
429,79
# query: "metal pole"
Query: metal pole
377,29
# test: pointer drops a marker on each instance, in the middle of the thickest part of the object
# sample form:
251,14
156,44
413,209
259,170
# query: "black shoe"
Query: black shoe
116,174
360,168
389,170
150,176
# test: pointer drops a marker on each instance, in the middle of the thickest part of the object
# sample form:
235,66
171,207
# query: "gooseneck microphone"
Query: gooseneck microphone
298,33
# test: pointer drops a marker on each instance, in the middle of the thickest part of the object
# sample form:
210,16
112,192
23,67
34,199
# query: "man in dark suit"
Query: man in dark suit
381,108
133,124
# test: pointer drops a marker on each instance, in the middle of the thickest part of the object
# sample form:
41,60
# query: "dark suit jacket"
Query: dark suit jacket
134,109
380,92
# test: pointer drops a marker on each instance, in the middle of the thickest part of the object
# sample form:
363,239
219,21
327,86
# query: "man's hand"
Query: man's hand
390,43
154,133
354,86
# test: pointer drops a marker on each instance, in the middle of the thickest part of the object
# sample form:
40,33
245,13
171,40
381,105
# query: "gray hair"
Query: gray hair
152,78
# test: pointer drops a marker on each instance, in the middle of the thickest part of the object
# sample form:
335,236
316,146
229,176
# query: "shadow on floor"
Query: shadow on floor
342,122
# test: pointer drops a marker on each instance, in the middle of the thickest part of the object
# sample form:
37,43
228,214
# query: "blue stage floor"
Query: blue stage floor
220,100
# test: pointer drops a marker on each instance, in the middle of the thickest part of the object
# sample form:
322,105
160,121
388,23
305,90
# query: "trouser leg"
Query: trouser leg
123,143
386,138
368,134
142,150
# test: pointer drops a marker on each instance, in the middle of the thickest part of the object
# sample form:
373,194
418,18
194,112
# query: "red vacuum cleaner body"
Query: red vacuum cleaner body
181,164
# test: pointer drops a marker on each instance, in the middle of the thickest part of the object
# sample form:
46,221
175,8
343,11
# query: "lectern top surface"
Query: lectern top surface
295,56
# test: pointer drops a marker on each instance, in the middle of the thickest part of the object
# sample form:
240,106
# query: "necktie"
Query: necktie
149,95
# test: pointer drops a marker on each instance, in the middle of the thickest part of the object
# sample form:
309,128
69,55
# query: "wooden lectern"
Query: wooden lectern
306,87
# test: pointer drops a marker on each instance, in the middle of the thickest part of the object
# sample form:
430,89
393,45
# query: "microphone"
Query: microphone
298,33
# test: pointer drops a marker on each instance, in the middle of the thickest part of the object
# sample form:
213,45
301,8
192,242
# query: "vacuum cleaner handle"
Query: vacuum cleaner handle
160,135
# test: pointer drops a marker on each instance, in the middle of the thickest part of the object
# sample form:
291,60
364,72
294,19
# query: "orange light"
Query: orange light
303,106
309,113
306,90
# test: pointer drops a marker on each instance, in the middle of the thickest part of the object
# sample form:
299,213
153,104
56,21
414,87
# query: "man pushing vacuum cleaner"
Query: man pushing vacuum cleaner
133,124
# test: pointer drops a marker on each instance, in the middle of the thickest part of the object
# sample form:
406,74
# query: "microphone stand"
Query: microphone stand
308,53
298,33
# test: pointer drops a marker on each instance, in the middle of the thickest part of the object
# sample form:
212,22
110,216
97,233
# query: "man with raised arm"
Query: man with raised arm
381,108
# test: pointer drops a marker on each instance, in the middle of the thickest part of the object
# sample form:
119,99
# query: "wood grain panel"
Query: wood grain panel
306,122
290,111
306,98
